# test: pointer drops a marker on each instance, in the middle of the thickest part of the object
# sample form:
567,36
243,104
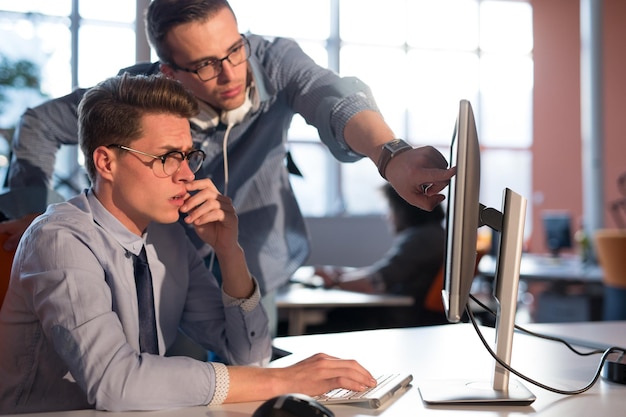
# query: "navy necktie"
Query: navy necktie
147,323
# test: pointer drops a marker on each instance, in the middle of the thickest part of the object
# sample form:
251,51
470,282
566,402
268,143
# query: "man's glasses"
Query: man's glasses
211,68
171,161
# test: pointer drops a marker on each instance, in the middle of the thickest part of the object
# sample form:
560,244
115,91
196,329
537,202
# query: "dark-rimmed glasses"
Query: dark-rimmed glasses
211,68
171,161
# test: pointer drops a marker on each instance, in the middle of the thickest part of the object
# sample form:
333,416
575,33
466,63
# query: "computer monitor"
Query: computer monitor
558,231
464,215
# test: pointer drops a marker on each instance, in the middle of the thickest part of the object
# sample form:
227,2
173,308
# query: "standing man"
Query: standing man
248,90
102,283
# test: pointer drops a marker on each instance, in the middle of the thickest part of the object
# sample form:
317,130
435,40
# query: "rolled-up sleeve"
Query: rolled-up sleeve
325,100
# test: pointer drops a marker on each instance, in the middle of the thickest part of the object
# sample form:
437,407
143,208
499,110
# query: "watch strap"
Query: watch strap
390,150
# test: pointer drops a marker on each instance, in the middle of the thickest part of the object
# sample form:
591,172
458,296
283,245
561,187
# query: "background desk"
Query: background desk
304,306
546,268
447,352
564,288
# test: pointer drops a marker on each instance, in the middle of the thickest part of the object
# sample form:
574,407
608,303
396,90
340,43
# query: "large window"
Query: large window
420,57
74,43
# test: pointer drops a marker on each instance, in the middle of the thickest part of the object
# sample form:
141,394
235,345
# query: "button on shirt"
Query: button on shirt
69,326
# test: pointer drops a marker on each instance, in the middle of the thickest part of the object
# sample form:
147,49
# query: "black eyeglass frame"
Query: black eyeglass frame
163,158
217,63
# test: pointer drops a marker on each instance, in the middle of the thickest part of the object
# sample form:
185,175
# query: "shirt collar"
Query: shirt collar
128,240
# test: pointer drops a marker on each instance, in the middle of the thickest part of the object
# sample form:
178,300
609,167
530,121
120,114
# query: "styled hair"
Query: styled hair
163,15
407,215
112,111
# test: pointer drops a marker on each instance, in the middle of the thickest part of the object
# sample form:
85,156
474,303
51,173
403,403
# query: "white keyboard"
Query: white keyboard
340,394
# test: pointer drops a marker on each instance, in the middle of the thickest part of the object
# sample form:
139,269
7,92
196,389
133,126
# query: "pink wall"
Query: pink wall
557,173
615,97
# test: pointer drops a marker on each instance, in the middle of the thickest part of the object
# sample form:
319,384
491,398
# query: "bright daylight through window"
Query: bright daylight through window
420,57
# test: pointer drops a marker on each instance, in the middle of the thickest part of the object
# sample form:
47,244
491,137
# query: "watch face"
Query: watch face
395,144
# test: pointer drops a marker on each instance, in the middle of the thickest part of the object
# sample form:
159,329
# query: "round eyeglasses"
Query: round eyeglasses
211,68
171,161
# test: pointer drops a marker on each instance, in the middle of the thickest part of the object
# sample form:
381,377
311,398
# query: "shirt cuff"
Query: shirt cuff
343,112
246,304
222,383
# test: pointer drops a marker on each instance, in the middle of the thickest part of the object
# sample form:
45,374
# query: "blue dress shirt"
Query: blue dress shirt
69,334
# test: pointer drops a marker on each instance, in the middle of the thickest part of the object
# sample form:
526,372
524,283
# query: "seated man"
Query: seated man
88,316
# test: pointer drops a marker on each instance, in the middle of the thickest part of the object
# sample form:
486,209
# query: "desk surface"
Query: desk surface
297,296
544,267
304,305
446,353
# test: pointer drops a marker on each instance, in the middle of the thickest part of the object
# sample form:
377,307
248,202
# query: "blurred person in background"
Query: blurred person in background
413,266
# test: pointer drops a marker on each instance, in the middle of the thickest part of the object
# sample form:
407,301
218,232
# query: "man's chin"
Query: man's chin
169,219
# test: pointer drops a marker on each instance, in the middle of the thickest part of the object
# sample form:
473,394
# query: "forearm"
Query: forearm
254,384
366,132
40,133
236,279
363,280
34,152
363,285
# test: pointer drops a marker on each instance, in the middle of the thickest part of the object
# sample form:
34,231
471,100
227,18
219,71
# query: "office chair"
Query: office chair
6,260
433,301
611,252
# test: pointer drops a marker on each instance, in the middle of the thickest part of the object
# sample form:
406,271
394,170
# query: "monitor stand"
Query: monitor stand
462,392
500,390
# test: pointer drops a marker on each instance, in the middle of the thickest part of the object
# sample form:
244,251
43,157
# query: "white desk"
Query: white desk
566,269
304,305
454,352
448,352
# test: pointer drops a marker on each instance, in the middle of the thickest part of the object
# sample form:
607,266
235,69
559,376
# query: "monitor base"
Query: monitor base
461,392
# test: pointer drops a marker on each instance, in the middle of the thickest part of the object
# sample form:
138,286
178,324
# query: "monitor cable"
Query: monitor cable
605,353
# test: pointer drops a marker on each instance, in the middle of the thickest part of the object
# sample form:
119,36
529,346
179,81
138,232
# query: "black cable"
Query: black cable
506,366
539,335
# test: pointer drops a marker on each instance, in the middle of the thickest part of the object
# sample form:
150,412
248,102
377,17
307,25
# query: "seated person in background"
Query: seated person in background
412,266
73,333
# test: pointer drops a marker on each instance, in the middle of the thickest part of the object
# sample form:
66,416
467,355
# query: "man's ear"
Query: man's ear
105,161
167,71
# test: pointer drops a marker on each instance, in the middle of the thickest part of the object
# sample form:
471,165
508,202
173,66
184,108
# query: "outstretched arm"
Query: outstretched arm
367,132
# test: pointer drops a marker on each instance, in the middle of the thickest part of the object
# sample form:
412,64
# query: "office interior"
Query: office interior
560,146
559,177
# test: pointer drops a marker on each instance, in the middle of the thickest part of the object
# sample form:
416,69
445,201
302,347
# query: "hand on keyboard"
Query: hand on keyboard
345,394
321,373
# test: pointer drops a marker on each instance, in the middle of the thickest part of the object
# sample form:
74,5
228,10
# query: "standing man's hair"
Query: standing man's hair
111,112
163,15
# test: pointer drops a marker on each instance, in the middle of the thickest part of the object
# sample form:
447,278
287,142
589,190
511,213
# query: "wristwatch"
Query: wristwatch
390,150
